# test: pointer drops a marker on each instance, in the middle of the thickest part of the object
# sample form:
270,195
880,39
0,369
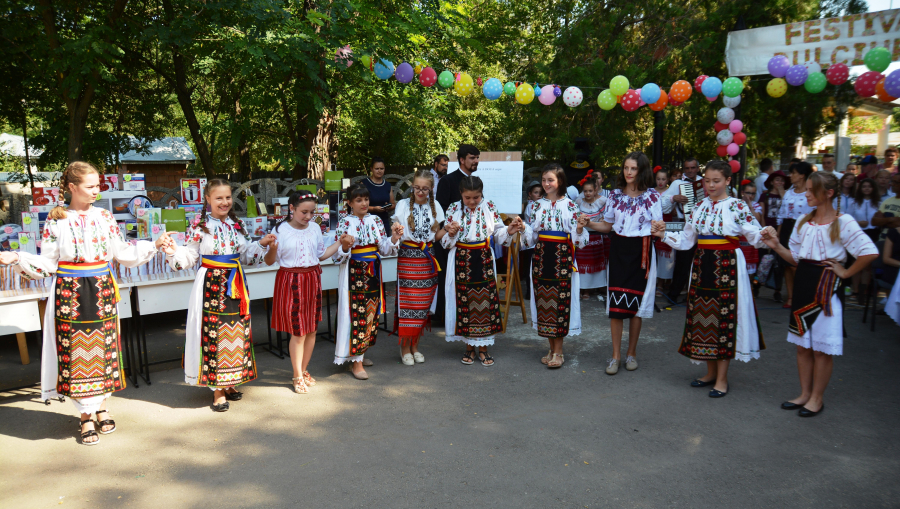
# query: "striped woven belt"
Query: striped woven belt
718,242
236,287
370,255
560,238
425,247
93,269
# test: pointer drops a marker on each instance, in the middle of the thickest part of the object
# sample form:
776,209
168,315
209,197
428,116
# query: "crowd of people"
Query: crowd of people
811,228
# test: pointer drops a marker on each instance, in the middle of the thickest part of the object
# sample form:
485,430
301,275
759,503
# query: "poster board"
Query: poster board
502,183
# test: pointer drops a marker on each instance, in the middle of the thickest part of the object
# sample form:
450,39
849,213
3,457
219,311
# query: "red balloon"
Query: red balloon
427,77
837,74
866,83
735,166
699,82
740,138
673,102
719,126
631,101
721,150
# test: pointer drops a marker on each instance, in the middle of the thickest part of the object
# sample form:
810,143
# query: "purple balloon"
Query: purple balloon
558,92
779,65
892,84
796,75
405,73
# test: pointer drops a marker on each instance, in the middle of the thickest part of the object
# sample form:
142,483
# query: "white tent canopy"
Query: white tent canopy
13,145
163,150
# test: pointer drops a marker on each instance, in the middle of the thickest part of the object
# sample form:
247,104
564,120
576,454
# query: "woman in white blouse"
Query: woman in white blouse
793,207
863,206
819,245
721,320
632,260
80,356
417,267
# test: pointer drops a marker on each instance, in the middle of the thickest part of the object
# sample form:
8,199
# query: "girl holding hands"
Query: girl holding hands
417,267
555,233
592,258
819,245
473,301
297,302
721,322
218,350
632,265
361,289
81,356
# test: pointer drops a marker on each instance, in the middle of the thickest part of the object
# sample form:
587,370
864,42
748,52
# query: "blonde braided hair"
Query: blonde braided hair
426,175
821,184
73,174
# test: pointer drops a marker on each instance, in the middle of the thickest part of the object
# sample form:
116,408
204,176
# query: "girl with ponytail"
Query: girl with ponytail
417,267
218,350
78,245
819,245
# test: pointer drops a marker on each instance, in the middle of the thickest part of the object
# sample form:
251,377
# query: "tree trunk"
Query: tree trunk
320,142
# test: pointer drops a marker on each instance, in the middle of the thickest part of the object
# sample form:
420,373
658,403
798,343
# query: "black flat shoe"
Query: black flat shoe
787,405
717,394
234,396
805,412
221,407
701,383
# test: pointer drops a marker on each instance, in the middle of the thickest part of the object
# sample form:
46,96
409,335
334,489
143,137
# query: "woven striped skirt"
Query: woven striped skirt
297,303
417,284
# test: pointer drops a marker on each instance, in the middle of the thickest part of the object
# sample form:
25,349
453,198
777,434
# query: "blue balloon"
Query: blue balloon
384,69
711,87
537,90
650,93
492,89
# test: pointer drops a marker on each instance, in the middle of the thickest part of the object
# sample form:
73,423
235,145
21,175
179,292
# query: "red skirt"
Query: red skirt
417,284
297,307
595,256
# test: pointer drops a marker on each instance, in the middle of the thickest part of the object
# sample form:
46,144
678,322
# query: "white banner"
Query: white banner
826,41
502,183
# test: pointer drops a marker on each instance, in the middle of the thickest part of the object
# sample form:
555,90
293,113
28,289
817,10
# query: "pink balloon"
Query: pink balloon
736,126
712,99
732,149
547,96
641,101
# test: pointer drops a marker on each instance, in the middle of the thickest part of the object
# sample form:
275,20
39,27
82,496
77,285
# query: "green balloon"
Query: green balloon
606,100
732,87
619,85
877,59
446,79
815,82
509,88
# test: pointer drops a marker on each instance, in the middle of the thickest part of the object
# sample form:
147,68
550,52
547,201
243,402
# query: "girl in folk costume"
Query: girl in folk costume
555,233
751,253
793,207
361,290
81,355
534,192
819,244
632,261
721,322
218,348
665,256
473,302
417,268
297,305
593,257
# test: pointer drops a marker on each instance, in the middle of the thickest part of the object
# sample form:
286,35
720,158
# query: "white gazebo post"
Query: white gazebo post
883,135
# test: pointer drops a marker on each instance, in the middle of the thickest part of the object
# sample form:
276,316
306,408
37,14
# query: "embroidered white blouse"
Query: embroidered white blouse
224,238
729,217
477,225
422,219
863,212
561,215
631,217
793,206
299,248
92,237
366,231
593,210
813,242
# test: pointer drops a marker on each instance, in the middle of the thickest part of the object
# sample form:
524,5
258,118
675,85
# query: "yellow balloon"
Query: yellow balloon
777,87
524,94
464,85
418,68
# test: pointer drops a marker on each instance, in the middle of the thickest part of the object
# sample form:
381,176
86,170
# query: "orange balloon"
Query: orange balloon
661,103
619,98
881,93
680,91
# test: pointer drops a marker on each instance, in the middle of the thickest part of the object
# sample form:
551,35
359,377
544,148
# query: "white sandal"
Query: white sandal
419,357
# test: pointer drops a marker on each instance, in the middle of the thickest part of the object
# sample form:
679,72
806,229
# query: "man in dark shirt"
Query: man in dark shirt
448,194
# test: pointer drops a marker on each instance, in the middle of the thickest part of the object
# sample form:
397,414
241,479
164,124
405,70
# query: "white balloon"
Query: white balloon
731,102
573,97
725,115
812,67
725,137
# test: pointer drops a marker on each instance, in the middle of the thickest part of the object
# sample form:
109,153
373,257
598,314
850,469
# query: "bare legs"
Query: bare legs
616,326
301,349
718,371
815,372
789,282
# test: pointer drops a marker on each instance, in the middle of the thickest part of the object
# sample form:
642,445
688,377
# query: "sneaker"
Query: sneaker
613,366
600,298
630,363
